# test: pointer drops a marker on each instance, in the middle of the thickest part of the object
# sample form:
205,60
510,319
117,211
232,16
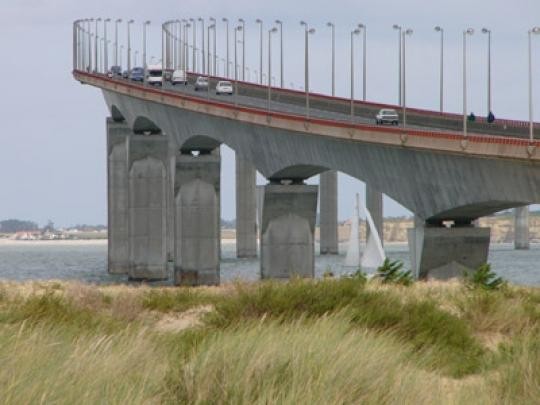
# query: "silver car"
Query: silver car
387,116
201,83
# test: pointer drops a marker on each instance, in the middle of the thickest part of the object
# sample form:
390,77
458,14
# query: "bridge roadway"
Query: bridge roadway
437,174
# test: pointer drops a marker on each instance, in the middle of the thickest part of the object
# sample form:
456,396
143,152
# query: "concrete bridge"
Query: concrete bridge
164,171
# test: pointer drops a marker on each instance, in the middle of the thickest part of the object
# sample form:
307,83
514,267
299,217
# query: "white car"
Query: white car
154,75
224,87
179,76
387,115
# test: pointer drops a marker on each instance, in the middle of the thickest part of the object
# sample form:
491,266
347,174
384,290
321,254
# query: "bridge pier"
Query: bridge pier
521,228
442,253
329,213
148,184
374,204
246,209
288,230
197,218
118,133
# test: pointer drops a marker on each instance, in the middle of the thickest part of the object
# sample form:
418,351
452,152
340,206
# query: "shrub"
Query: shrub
484,279
390,272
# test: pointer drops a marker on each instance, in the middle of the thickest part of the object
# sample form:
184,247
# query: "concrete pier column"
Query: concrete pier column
521,228
374,204
442,253
246,209
197,218
148,192
117,196
329,213
288,229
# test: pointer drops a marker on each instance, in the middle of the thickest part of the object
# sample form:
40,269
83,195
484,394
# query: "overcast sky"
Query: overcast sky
53,155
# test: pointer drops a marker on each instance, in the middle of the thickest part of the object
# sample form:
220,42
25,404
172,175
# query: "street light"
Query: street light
210,68
236,29
89,39
96,41
441,75
353,33
363,28
226,70
118,21
468,31
105,46
193,22
259,21
332,26
185,52
214,24
488,32
145,24
242,21
280,23
203,62
270,32
534,30
398,27
129,45
408,31
308,31
121,54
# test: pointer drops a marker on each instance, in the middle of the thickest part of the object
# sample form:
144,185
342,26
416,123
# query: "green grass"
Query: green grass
176,300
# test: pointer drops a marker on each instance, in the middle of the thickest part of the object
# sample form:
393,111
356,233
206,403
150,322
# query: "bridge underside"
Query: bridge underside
436,186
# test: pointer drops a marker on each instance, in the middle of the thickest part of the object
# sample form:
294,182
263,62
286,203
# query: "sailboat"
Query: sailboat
373,255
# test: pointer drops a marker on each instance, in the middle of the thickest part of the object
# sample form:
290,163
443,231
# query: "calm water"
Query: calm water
88,262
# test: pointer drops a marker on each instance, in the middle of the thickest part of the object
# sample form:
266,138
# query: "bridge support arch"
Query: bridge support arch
288,230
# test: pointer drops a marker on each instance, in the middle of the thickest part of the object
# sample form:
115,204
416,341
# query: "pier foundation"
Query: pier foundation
246,209
329,213
521,228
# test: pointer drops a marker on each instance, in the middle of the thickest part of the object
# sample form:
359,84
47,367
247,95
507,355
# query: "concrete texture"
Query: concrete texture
148,192
117,196
521,228
246,209
374,204
197,219
287,232
328,195
443,253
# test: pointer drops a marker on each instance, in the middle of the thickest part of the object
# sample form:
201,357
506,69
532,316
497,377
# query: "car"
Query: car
224,87
137,74
387,115
201,83
125,74
154,75
115,71
179,76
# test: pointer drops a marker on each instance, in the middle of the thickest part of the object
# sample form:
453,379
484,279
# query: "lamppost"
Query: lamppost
363,28
89,39
241,21
203,62
353,33
226,70
145,24
105,46
121,54
488,32
270,32
441,74
332,26
129,45
214,25
280,23
236,29
194,45
210,69
408,31
185,52
308,31
259,21
534,30
468,31
398,27
96,41
118,21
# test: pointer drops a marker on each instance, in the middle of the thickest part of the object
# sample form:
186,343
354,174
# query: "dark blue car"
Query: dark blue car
137,74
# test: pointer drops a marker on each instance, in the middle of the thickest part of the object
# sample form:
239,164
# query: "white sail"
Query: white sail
353,250
373,256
